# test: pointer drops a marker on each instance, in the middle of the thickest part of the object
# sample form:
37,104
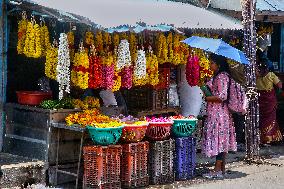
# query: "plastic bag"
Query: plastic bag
108,98
173,95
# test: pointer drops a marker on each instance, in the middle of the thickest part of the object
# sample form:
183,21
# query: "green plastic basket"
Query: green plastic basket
105,136
184,127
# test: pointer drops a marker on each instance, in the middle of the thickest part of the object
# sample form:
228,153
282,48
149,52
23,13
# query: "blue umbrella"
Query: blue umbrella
217,46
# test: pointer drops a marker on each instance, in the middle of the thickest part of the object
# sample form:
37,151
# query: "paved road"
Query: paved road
247,177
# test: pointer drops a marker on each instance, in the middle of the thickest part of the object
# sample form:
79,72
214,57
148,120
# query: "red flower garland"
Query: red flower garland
126,77
95,72
192,71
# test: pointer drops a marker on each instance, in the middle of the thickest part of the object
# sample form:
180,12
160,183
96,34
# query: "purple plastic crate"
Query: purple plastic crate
185,159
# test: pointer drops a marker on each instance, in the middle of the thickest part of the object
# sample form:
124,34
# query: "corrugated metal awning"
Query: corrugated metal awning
114,13
261,5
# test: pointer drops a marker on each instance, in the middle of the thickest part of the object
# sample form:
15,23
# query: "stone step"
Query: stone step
20,171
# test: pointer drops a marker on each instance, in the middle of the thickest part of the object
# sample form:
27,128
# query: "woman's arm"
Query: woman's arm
215,99
279,85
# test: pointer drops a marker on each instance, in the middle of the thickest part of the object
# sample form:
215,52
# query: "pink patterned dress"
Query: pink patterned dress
219,132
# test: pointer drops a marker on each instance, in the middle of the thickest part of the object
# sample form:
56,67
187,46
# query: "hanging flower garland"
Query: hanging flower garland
117,81
80,71
108,76
170,47
107,41
22,29
140,69
204,63
29,48
152,69
89,38
51,62
162,49
192,71
184,50
63,72
44,38
99,42
95,71
38,47
126,77
123,57
115,40
133,46
71,44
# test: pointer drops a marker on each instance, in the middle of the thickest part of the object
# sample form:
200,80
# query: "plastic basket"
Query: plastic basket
134,169
184,127
102,167
105,136
185,161
133,133
159,131
161,162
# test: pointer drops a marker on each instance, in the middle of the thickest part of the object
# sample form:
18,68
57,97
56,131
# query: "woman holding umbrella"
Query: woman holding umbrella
266,83
219,132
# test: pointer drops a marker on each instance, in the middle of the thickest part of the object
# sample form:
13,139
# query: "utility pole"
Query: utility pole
252,117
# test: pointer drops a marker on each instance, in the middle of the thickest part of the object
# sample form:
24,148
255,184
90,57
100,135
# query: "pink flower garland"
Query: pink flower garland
108,76
126,76
192,71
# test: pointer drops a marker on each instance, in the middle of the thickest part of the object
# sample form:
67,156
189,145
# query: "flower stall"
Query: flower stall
109,94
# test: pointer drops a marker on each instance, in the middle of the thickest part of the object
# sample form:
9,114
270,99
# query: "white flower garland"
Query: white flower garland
140,70
63,66
123,57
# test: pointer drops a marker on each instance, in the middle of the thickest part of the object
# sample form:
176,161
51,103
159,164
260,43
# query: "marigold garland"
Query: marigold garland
107,40
117,82
133,46
99,42
38,45
115,40
45,41
162,49
29,48
170,47
89,38
80,79
71,43
51,62
152,69
22,29
81,59
204,63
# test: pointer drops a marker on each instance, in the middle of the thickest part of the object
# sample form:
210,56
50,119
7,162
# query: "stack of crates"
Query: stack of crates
161,162
102,167
134,167
185,160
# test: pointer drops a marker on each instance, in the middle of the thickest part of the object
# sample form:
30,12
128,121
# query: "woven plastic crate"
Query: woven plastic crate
102,167
185,159
161,162
134,169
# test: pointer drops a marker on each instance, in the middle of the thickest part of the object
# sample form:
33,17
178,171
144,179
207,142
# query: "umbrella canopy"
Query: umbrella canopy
217,46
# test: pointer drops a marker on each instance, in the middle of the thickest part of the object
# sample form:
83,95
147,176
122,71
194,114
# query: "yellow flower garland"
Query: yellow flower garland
22,29
81,59
71,43
51,62
29,48
89,38
99,42
133,46
108,60
38,49
80,79
107,39
45,41
162,49
117,82
115,40
152,69
170,47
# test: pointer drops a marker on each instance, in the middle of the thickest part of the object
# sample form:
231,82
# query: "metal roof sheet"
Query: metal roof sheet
261,5
113,13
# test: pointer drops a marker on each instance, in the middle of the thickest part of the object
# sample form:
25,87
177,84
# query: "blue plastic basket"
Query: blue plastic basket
184,127
185,159
105,136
